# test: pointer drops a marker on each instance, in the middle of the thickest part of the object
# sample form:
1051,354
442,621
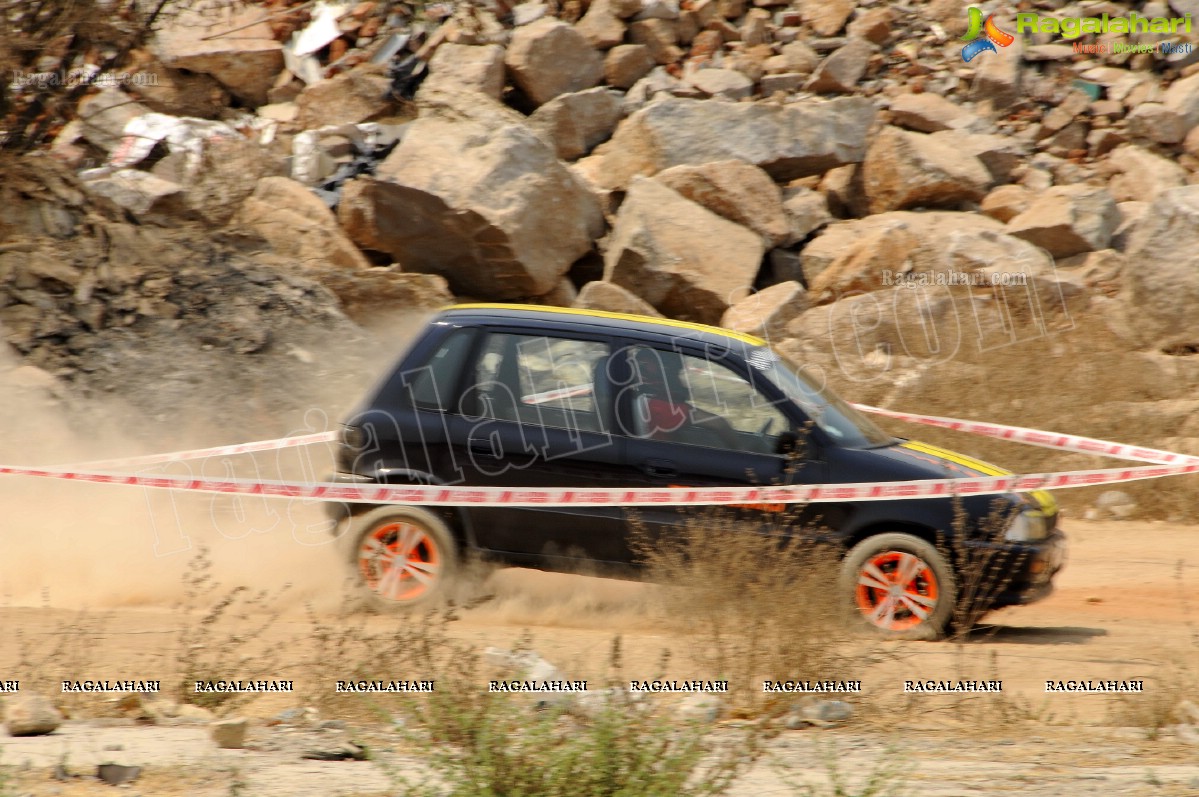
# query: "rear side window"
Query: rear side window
432,385
541,380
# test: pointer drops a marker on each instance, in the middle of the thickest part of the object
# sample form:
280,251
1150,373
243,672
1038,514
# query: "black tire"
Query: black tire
431,560
899,586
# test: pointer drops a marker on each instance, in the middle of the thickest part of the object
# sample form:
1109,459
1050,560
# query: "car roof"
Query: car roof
567,317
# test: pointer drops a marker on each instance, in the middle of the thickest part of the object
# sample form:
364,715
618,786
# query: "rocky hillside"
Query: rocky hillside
226,199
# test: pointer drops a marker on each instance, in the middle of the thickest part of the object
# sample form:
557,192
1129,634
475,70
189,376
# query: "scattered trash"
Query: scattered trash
350,751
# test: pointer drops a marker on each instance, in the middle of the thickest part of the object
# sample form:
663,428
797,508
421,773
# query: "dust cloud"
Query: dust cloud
76,545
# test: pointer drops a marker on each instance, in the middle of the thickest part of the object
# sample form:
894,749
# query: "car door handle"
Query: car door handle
660,468
481,445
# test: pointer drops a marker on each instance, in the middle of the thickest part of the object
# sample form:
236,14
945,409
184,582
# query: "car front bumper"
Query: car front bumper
1033,566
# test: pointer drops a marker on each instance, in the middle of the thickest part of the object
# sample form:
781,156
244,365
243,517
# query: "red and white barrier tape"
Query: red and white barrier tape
1036,437
200,453
436,495
1168,464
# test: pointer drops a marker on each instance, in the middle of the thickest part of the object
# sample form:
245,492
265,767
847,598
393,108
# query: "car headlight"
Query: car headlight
1028,526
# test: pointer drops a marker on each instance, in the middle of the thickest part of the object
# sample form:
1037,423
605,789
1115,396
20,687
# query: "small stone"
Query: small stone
1116,503
117,774
229,733
828,711
30,714
874,25
842,70
700,708
827,17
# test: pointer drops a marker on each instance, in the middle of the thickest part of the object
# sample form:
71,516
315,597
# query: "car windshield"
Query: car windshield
832,414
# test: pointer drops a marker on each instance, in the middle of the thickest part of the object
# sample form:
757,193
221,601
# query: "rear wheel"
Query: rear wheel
899,586
402,556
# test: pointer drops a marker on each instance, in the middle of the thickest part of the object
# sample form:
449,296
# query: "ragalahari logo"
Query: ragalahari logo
991,36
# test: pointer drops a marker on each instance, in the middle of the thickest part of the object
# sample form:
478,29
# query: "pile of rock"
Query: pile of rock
725,161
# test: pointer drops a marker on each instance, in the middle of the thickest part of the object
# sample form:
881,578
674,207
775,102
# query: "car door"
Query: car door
536,413
691,420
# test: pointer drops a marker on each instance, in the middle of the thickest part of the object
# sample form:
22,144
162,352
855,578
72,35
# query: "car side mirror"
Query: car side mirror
789,445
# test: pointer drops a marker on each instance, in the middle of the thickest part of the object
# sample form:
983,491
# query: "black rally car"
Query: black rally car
516,396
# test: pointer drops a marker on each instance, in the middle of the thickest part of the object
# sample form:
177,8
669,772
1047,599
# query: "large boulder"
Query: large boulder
904,169
1161,287
602,26
549,57
625,64
737,191
1000,154
927,113
103,116
488,207
767,313
227,173
999,76
467,67
1183,99
901,247
146,196
1068,220
607,296
378,292
298,225
236,46
680,257
573,124
795,140
1142,174
348,98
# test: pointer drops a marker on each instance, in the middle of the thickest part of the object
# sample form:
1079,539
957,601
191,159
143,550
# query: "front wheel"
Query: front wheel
899,586
402,556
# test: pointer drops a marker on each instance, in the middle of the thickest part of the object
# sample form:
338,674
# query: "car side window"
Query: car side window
683,398
432,386
542,380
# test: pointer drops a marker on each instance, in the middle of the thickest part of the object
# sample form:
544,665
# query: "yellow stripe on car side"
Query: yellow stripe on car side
1046,500
643,319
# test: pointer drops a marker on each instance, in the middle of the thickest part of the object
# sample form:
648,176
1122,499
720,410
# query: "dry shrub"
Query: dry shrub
761,603
221,636
483,744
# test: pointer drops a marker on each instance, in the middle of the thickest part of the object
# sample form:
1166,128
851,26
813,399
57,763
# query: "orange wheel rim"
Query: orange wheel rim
896,590
399,561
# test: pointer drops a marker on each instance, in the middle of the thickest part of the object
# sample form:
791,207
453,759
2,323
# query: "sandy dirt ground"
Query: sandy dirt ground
1126,607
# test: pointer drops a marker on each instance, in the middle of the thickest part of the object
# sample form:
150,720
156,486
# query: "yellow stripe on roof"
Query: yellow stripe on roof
1046,500
641,319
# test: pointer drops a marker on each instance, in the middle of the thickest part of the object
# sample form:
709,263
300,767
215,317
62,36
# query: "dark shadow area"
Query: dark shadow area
1027,635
